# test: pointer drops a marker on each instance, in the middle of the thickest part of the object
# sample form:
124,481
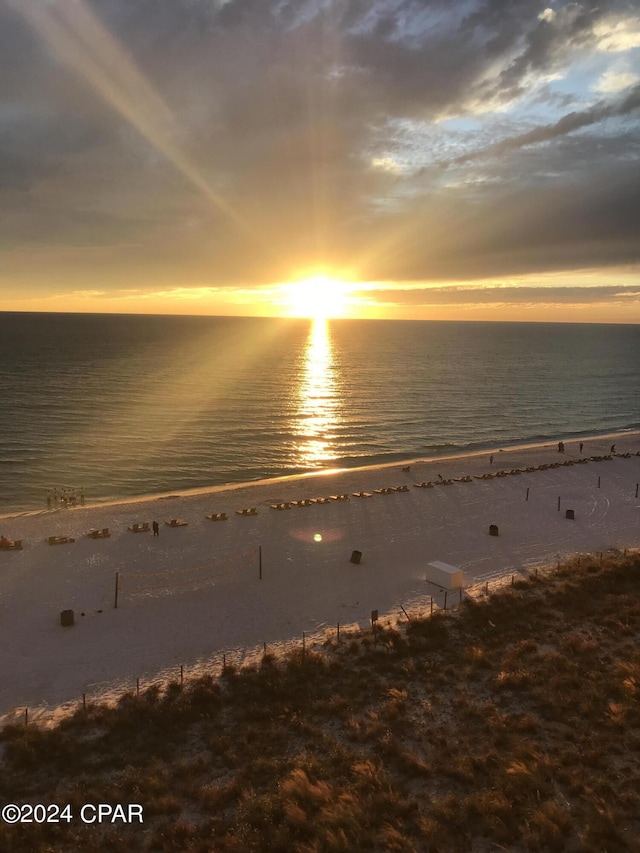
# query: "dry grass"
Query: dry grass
511,724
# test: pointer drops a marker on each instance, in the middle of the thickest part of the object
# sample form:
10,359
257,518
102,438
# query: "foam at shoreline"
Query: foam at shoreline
327,472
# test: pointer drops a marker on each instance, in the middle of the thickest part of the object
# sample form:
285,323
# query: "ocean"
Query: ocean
122,405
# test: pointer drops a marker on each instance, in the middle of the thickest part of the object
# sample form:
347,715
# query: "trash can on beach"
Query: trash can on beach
66,618
570,513
493,530
356,556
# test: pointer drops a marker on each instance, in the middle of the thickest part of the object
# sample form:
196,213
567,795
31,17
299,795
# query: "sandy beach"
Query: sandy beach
194,592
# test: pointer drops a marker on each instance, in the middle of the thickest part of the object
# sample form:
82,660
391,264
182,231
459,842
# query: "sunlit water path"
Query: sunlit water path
129,405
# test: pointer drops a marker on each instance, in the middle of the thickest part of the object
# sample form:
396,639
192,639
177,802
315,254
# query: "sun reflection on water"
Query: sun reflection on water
318,400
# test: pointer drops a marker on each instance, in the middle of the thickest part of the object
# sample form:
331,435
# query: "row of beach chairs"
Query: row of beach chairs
145,527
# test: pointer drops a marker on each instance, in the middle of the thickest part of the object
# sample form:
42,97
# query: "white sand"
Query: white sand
307,585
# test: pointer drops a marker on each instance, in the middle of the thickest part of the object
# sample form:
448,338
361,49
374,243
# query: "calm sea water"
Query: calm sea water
130,405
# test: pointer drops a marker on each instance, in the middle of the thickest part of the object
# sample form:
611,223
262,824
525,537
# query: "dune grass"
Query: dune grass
512,723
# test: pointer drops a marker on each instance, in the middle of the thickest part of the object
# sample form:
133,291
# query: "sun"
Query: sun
319,297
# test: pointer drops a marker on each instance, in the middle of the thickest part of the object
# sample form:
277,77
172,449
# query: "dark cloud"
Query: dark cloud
512,295
279,108
567,124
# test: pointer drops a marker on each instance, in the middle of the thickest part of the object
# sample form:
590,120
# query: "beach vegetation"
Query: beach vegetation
511,722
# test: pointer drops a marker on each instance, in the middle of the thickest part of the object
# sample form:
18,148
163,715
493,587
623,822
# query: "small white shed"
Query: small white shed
442,574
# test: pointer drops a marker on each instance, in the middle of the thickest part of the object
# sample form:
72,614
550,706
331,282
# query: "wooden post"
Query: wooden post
460,599
445,600
558,504
26,716
264,648
486,588
513,579
431,605
84,701
304,643
527,497
115,603
137,686
338,632
260,562
598,482
181,674
600,557
224,661
536,572
637,489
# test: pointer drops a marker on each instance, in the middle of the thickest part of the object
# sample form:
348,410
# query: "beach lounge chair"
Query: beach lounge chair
218,516
362,494
280,506
177,522
60,540
402,488
340,497
248,511
140,528
320,500
305,502
9,545
99,534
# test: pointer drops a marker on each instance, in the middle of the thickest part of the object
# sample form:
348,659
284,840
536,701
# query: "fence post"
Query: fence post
445,600
115,603
527,497
137,687
181,674
26,716
431,605
304,643
598,482
259,562
558,504
338,639
84,701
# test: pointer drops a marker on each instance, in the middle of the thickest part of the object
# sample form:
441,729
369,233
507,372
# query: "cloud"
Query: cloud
513,295
617,33
615,80
235,142
567,124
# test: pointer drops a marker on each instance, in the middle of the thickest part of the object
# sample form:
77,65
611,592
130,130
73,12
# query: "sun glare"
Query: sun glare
319,297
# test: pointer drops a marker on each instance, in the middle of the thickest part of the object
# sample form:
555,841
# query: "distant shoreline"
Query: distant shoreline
325,472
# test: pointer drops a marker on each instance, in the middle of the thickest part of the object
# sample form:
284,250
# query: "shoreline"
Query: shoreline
201,491
209,594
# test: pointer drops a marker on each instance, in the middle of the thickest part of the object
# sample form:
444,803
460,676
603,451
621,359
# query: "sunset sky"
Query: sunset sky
400,158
